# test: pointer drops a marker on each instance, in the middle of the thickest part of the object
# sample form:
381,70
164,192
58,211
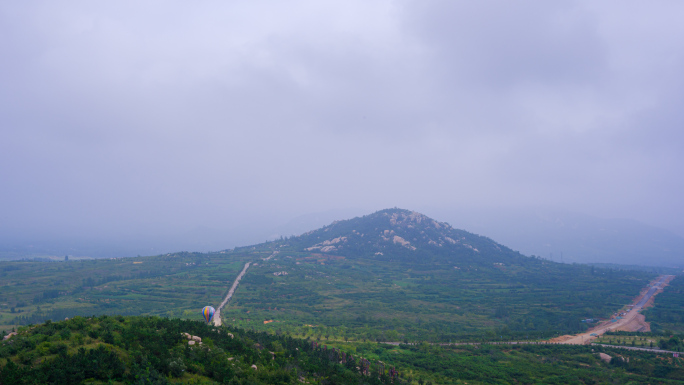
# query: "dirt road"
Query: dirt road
631,317
271,256
217,316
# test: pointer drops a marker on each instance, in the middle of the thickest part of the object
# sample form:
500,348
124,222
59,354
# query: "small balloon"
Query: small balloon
207,313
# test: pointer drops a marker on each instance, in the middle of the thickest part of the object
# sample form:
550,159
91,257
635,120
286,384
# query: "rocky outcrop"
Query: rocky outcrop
403,242
192,340
327,245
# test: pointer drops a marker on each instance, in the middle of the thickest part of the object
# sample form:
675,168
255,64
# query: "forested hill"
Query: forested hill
397,234
151,350
397,274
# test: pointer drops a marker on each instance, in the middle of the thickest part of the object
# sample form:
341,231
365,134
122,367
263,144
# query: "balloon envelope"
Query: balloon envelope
207,313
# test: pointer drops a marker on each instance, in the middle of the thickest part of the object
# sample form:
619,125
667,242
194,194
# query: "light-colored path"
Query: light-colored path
271,256
586,338
217,316
653,350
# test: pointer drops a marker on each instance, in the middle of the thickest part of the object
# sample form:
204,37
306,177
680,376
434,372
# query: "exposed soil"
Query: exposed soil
561,338
637,324
631,321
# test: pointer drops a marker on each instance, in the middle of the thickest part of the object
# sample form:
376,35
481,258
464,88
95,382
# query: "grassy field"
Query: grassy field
666,340
525,364
172,285
640,340
668,312
324,296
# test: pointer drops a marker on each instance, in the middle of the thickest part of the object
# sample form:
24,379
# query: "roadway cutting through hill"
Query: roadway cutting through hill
217,316
613,324
216,319
624,322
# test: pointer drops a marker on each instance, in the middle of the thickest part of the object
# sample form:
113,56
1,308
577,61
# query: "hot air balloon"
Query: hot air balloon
207,313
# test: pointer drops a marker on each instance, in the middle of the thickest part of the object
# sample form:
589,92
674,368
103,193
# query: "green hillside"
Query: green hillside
145,350
398,275
394,275
668,312
171,285
153,350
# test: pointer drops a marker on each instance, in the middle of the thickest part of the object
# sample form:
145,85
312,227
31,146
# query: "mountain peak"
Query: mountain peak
394,234
401,217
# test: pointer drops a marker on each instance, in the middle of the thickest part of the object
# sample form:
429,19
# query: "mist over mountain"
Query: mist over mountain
200,239
551,234
560,235
390,276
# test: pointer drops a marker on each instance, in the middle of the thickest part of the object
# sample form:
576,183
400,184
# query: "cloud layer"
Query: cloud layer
128,118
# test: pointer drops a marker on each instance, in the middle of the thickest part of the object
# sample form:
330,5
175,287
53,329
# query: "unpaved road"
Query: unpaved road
586,338
271,256
217,316
631,315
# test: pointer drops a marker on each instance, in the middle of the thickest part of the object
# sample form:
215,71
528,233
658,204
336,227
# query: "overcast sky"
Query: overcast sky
154,117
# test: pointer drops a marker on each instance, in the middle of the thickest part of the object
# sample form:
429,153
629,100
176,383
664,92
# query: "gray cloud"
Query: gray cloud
129,118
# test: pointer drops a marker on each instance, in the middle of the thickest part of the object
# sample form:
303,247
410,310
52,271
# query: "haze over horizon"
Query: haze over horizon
145,120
